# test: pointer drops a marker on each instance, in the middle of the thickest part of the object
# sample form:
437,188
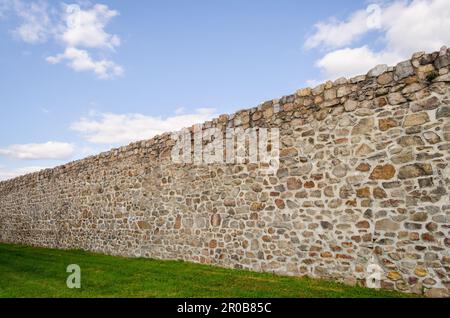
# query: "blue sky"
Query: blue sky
81,77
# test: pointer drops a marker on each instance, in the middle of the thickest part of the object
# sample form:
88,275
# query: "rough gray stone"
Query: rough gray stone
403,70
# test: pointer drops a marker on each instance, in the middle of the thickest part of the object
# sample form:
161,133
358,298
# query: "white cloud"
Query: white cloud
48,150
335,33
403,27
420,25
108,128
350,62
80,60
81,31
6,174
35,23
86,28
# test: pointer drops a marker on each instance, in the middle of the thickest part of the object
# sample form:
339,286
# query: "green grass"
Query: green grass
38,272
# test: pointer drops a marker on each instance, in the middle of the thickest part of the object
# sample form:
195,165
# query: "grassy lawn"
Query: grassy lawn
37,272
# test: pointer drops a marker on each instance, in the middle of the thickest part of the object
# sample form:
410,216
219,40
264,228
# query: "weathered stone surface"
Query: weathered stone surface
396,98
363,167
386,225
363,150
143,225
364,126
294,184
420,271
431,137
415,170
363,192
387,123
377,70
213,244
431,226
178,222
216,220
412,226
330,94
426,104
318,89
304,92
442,61
442,112
404,157
443,78
383,172
321,115
350,105
407,141
419,217
379,193
340,171
280,203
403,69
256,206
229,202
385,78
343,91
425,71
257,187
363,225
416,119
394,276
426,182
447,136
412,88
326,225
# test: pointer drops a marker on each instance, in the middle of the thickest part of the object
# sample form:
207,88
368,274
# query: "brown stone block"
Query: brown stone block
383,172
385,124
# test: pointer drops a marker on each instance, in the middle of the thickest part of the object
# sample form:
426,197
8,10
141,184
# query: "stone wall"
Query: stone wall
364,179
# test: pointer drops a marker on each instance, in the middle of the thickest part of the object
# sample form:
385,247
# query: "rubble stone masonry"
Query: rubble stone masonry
364,179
